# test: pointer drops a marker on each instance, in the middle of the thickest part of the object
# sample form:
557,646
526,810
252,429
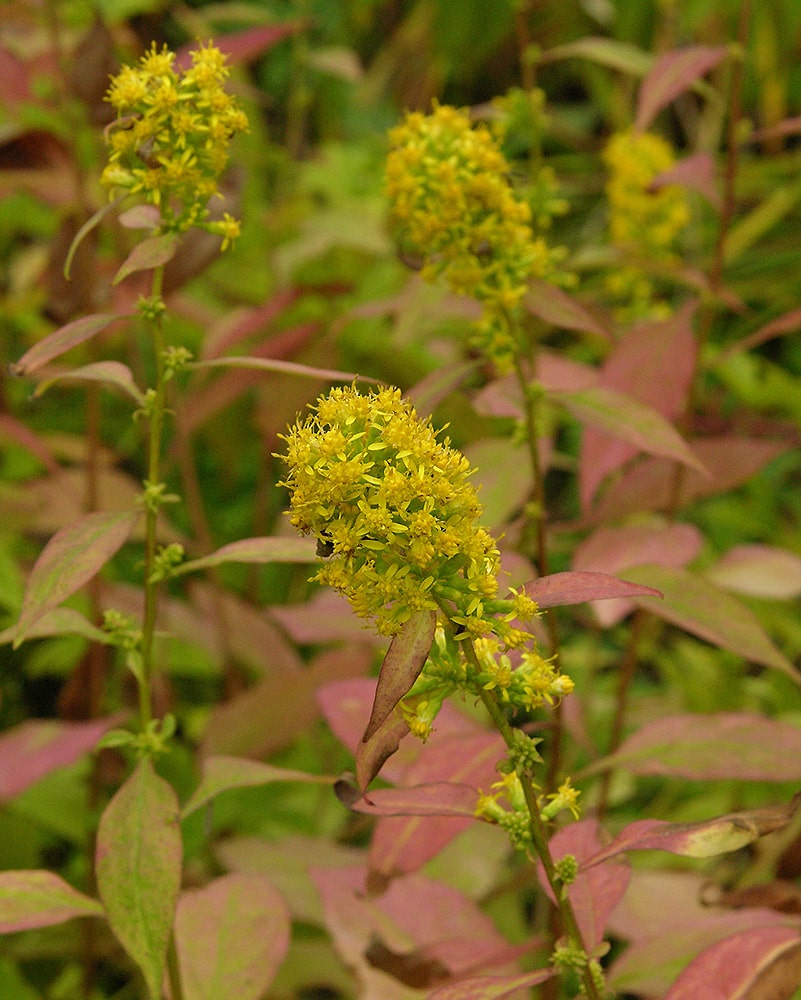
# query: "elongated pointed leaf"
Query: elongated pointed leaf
698,606
231,936
604,51
255,550
223,773
39,899
111,373
577,587
72,557
758,570
560,310
371,755
283,367
152,252
490,987
138,866
60,621
622,416
672,74
439,798
57,343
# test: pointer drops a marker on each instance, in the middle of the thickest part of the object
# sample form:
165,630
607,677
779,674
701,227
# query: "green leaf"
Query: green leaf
138,866
605,51
220,774
60,341
39,899
624,417
255,550
284,367
72,557
60,621
152,252
231,936
111,373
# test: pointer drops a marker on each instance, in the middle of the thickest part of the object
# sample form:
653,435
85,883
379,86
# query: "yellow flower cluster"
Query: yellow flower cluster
392,509
507,807
527,685
170,142
644,221
454,209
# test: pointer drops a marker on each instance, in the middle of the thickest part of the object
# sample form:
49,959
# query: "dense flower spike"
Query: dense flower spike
644,219
453,207
170,142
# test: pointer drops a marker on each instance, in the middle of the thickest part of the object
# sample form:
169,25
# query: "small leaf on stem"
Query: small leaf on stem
31,899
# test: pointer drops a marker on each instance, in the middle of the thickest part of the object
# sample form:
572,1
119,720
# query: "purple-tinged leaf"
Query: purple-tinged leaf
372,755
16,431
406,656
490,987
34,748
59,342
624,417
759,571
558,309
435,387
112,373
255,550
699,607
282,367
223,773
761,963
439,798
140,217
786,323
734,745
155,251
138,867
695,172
576,588
672,74
60,621
71,558
31,899
244,46
705,839
231,936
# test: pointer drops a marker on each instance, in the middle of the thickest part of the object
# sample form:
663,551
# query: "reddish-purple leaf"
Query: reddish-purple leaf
786,323
231,936
558,309
761,963
152,252
244,46
577,588
490,987
138,867
255,550
31,899
695,172
407,653
16,431
432,389
712,747
698,606
111,373
372,755
72,557
758,570
699,840
34,748
59,342
140,217
283,367
439,798
223,773
672,74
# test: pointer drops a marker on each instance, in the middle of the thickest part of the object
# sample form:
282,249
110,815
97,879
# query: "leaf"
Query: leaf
758,570
735,745
559,589
231,936
244,46
61,341
220,774
604,51
622,416
696,172
407,653
33,749
152,252
699,607
60,621
371,756
705,839
111,373
284,367
86,228
490,987
558,309
760,963
255,550
786,323
72,557
31,899
672,74
439,798
138,866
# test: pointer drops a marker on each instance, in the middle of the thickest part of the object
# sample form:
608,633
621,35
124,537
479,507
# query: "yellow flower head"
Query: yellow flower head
170,142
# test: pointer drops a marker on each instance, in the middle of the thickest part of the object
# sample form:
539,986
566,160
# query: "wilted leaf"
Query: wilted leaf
111,373
223,773
284,367
711,747
39,899
407,653
72,557
577,588
672,74
152,252
698,606
33,749
758,570
231,936
757,964
59,342
138,868
255,550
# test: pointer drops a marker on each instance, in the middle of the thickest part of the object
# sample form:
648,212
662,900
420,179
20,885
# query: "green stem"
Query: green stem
174,971
156,413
